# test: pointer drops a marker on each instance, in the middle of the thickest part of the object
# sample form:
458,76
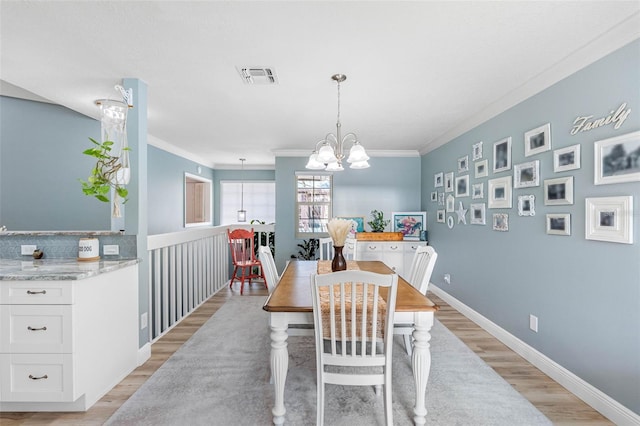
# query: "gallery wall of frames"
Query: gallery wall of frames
462,199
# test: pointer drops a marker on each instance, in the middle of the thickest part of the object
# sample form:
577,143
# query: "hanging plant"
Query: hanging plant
108,173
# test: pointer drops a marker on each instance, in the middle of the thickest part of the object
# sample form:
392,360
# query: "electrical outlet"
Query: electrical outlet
144,321
111,250
27,250
447,278
533,323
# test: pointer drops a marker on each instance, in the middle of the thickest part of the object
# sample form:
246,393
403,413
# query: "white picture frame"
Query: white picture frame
502,155
476,152
438,180
558,224
463,164
609,219
441,198
477,191
462,186
448,182
434,196
440,215
558,191
565,159
526,175
478,213
616,159
527,205
451,203
501,222
500,193
537,140
481,169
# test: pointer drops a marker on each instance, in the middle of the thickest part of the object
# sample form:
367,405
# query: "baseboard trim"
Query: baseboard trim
144,353
601,402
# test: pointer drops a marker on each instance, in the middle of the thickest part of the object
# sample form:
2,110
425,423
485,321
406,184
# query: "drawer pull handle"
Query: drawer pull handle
37,329
37,292
32,377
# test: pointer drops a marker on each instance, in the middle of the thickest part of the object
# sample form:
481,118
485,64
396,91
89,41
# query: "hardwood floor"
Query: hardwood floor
560,406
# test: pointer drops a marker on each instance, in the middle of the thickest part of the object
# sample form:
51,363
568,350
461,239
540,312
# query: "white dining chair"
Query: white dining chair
354,334
268,267
325,248
424,260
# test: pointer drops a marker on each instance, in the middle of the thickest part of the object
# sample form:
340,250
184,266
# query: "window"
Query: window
313,204
259,201
197,200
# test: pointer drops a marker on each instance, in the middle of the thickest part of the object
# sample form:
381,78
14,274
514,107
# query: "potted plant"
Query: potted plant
109,172
378,223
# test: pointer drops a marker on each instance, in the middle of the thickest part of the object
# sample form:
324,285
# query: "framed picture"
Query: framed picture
500,193
477,151
559,224
463,164
478,214
558,191
438,180
409,223
526,174
440,214
441,198
617,159
477,191
566,158
482,168
450,203
526,205
357,224
448,182
462,186
537,140
502,155
609,219
500,222
434,196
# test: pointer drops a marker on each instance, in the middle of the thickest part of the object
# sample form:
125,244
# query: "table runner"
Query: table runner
324,267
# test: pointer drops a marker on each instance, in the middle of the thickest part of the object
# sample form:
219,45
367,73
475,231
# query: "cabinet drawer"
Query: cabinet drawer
36,292
37,378
36,329
410,248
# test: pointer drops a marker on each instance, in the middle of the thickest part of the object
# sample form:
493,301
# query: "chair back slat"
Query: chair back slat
422,265
269,267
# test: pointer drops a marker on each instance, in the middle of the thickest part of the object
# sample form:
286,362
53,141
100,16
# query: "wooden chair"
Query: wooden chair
424,260
358,334
243,257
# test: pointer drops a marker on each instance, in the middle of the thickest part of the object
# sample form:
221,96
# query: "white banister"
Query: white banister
186,268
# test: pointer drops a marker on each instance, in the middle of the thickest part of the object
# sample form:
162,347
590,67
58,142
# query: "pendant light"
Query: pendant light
242,213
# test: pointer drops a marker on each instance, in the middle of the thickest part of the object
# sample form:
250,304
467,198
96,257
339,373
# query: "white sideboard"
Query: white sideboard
398,255
65,343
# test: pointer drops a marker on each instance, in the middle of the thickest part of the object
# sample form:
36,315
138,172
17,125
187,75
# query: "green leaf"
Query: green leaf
102,198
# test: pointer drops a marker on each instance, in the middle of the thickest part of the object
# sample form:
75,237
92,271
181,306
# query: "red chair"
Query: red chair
243,257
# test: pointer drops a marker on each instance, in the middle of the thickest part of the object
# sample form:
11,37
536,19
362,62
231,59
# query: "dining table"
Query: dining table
290,304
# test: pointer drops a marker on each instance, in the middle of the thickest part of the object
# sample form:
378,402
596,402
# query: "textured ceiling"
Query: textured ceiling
418,72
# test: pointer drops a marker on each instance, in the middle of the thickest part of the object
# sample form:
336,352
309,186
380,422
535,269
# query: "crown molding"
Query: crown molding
172,149
592,51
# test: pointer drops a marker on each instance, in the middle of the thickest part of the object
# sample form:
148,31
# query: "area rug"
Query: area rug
221,377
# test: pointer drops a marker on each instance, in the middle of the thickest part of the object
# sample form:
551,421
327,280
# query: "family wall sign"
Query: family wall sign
586,122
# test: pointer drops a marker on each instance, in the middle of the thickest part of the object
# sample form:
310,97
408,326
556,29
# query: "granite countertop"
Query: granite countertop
58,269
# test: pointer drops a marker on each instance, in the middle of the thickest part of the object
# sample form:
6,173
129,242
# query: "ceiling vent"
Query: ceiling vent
258,75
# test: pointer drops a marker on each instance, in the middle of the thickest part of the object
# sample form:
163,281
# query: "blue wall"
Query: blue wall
41,161
390,184
585,293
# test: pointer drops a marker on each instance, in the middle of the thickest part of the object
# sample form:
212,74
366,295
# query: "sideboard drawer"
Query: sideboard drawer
36,377
36,292
36,329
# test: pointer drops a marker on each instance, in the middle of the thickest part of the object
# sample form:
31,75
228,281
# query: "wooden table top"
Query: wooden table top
293,293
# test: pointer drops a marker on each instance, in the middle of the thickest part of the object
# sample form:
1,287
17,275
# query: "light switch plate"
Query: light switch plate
111,249
27,249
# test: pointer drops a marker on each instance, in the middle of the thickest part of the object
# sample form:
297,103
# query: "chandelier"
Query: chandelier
329,152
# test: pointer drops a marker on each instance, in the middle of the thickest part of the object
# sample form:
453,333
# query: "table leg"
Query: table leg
279,363
421,362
